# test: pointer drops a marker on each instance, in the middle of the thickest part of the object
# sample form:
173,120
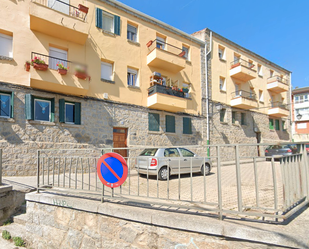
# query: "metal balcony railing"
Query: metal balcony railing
53,61
278,78
165,90
244,94
242,62
79,12
166,47
278,104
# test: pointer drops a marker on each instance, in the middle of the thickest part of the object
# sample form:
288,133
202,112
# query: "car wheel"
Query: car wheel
207,169
163,173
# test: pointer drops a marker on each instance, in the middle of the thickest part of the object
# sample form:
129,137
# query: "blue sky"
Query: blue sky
275,29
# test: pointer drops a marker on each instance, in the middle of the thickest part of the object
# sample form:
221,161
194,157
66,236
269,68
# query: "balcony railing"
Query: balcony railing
166,47
277,78
278,104
79,12
165,90
53,61
242,62
244,94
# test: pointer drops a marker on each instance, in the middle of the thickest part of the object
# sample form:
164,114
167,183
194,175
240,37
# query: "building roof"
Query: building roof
245,50
152,20
300,90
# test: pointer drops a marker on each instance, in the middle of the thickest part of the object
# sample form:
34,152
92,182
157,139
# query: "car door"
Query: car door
187,157
173,157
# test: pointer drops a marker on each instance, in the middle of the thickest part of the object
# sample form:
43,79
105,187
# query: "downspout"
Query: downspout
207,91
291,120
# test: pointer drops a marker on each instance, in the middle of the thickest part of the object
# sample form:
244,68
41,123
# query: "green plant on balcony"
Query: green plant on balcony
62,69
185,89
39,64
81,73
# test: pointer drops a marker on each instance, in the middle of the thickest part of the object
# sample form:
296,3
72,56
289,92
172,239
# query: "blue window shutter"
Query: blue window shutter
77,113
187,126
117,25
29,107
153,122
52,114
98,18
61,110
170,123
12,105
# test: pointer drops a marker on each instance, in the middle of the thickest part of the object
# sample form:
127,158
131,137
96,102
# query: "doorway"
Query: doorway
120,140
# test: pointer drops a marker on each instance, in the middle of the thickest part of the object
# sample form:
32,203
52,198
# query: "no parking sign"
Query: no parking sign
112,169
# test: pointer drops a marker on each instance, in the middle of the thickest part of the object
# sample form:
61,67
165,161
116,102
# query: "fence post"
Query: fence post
219,182
0,167
38,173
102,197
238,179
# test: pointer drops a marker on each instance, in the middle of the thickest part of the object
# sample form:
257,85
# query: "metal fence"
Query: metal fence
247,186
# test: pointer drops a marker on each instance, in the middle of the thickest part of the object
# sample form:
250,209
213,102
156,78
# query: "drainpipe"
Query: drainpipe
207,92
291,120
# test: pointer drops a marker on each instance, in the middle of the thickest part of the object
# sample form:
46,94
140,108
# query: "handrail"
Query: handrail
170,48
278,104
278,78
244,94
73,10
242,62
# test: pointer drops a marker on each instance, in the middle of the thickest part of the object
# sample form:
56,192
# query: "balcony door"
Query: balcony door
61,6
57,56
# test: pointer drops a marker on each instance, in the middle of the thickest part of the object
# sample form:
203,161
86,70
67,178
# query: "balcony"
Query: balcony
278,109
50,79
164,98
59,19
242,70
165,56
244,100
277,84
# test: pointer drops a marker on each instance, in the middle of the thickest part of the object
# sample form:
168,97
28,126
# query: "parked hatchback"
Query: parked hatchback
169,161
281,150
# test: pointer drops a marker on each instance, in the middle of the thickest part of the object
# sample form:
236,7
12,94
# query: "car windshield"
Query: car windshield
148,152
307,145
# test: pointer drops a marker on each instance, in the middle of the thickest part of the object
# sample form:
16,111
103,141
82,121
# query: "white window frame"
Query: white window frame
261,96
52,64
222,84
221,52
43,100
108,15
260,70
187,50
9,104
132,81
161,41
136,34
111,67
7,39
65,117
271,73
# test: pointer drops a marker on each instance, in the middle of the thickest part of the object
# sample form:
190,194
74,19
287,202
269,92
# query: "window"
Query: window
251,64
271,124
6,104
233,117
172,152
187,126
107,21
69,112
132,33
261,96
160,42
186,50
252,93
6,45
259,69
283,125
170,123
237,92
186,153
153,121
57,56
163,80
222,84
277,123
243,119
106,71
236,58
132,77
186,92
221,52
59,6
222,115
39,109
271,73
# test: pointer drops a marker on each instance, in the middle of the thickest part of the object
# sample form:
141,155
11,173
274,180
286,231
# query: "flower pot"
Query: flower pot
182,54
185,90
81,75
235,65
149,44
83,8
40,67
27,66
62,71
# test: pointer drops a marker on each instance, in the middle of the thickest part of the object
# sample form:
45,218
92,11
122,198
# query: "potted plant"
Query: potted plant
81,73
39,64
62,69
27,66
185,89
83,8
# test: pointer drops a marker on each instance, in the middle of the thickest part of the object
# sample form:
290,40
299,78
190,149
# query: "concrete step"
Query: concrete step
20,219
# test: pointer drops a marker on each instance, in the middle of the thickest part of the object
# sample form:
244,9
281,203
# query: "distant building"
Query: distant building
300,114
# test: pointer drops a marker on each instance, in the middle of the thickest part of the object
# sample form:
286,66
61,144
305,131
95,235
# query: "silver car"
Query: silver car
171,161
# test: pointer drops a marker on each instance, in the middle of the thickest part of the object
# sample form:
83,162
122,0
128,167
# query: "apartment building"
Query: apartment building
300,114
248,96
83,74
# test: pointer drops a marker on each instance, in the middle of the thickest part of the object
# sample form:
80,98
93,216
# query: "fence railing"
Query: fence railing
79,12
159,44
242,62
244,94
247,185
52,62
277,78
279,104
